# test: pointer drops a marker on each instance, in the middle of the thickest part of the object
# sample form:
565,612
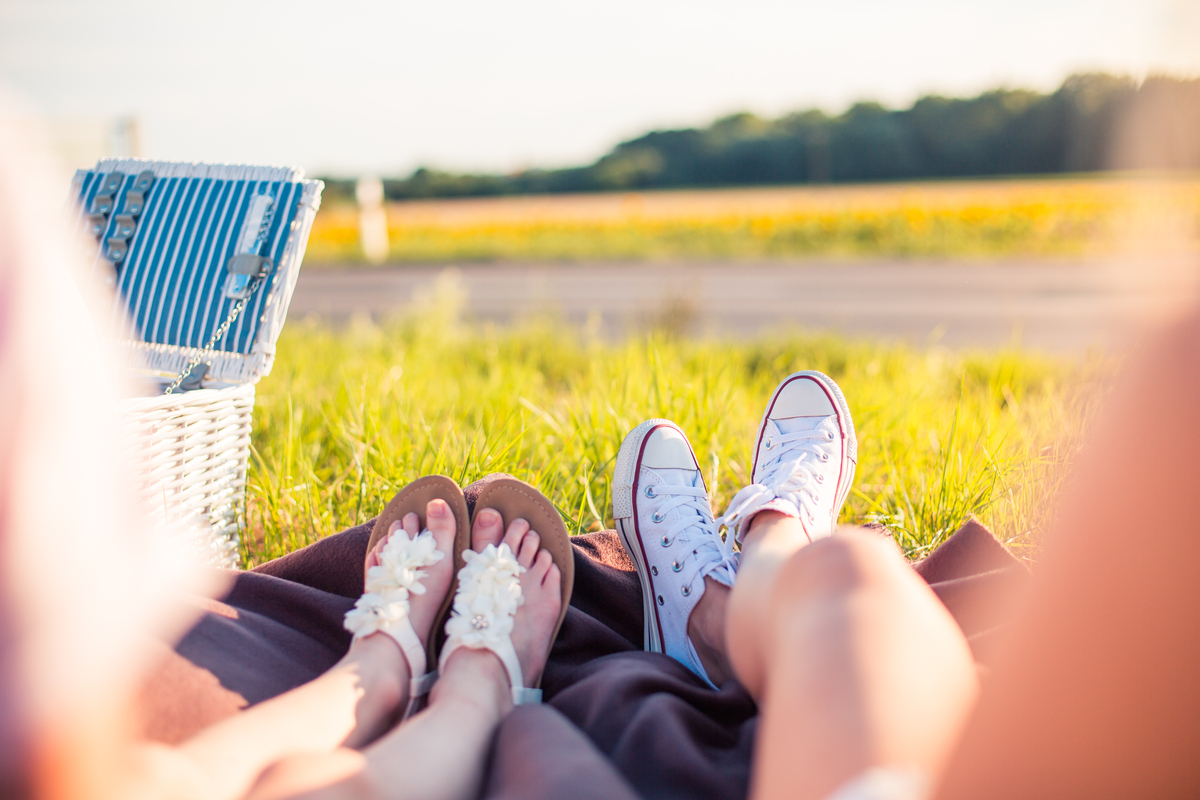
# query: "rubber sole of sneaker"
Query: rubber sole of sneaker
845,423
629,462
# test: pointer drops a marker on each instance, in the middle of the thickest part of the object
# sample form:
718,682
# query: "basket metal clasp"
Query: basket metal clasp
243,268
103,203
247,265
191,381
135,198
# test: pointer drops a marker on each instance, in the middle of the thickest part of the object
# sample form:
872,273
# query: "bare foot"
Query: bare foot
439,519
706,629
540,587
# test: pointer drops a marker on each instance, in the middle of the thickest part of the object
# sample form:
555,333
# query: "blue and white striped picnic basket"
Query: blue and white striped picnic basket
203,260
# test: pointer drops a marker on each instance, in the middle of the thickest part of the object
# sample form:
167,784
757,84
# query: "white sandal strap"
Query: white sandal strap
414,653
523,696
483,613
417,689
384,608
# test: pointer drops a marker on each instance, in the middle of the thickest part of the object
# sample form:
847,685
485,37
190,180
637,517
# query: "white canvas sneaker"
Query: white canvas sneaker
804,457
666,524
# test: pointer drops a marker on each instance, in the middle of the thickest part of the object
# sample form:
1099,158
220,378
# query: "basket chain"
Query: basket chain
234,313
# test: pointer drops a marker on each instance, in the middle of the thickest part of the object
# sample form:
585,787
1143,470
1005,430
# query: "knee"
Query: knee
850,561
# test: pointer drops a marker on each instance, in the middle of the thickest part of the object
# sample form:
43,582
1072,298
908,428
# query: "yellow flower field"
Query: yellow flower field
973,219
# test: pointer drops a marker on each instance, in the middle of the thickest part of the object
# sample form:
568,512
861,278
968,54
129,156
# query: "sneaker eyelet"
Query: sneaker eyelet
665,542
824,456
687,590
768,443
649,491
654,570
656,517
820,478
829,435
676,566
660,600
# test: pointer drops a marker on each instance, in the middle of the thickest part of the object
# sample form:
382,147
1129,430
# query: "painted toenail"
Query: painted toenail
438,509
489,517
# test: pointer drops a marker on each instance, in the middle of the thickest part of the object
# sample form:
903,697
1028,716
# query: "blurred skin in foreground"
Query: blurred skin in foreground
854,662
84,585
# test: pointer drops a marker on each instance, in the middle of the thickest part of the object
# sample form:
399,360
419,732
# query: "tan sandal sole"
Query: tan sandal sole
517,499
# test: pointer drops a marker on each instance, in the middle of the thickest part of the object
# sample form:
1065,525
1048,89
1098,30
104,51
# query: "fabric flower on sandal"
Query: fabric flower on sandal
489,593
401,562
389,583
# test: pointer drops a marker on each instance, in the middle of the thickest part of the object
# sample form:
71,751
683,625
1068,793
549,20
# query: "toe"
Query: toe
488,529
440,521
373,556
411,525
516,530
541,565
529,549
552,583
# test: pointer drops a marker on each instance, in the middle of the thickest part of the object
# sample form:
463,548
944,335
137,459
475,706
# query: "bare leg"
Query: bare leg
441,752
706,629
348,706
854,661
707,626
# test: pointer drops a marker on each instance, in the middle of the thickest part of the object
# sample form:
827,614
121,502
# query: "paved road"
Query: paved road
1061,306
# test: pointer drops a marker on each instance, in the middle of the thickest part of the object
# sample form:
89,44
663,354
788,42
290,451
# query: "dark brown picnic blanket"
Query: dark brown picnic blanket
617,723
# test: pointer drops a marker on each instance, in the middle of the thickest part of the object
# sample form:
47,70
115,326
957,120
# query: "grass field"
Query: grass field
349,416
972,219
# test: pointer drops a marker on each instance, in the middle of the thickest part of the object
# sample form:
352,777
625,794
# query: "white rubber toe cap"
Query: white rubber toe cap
802,397
666,448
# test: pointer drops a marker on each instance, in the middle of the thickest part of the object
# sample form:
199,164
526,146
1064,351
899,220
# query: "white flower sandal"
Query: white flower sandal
385,605
478,620
489,593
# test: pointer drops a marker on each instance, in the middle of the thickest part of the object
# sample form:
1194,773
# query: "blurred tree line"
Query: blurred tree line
1092,122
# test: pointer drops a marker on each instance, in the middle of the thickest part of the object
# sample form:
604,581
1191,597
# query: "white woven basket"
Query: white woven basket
168,234
191,451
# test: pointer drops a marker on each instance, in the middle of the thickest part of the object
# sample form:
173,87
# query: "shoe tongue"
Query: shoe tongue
798,424
678,477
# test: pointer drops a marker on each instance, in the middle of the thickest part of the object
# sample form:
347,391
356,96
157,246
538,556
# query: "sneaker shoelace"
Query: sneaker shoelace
787,475
709,555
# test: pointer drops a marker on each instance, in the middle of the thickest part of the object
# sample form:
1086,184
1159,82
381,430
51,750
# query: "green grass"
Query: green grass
349,416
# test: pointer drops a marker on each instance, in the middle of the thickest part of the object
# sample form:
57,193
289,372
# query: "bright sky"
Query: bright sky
379,85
